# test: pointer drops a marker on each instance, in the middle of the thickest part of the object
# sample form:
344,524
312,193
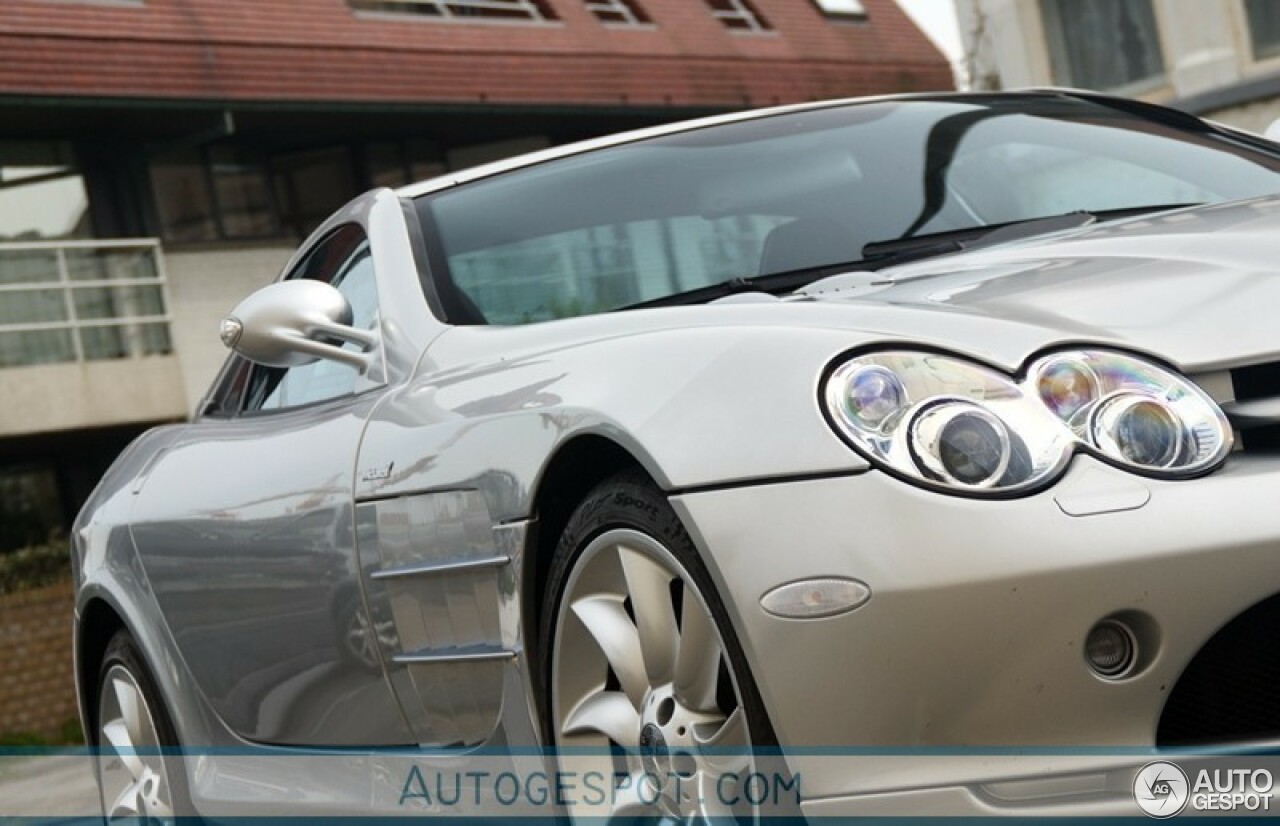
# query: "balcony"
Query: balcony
85,336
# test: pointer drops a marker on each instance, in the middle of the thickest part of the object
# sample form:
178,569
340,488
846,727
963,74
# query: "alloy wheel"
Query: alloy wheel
131,770
640,676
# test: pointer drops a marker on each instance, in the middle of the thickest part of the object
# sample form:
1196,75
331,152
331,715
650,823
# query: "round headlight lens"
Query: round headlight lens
961,443
1066,387
1141,430
874,394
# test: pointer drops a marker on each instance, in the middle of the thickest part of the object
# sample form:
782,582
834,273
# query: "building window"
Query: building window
241,193
230,192
843,9
738,16
183,200
81,301
311,185
535,11
617,12
1264,28
1102,44
233,192
219,193
396,163
42,194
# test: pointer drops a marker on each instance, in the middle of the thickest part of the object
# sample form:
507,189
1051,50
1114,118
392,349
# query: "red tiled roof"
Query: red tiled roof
318,50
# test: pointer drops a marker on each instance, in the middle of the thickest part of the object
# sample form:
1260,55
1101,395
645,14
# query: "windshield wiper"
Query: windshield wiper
773,283
879,254
938,243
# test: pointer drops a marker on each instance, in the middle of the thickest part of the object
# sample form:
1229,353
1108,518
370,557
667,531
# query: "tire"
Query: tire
608,570
139,776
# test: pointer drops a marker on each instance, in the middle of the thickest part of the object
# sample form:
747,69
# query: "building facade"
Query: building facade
1214,58
159,160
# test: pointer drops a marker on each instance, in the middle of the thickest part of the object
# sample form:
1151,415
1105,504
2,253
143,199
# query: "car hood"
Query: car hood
1199,287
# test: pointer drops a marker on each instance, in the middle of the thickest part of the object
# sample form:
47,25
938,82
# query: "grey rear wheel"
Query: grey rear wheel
134,776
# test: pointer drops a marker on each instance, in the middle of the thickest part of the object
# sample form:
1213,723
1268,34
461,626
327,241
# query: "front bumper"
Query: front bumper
974,633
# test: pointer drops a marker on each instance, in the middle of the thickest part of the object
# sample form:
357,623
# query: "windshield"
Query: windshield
641,221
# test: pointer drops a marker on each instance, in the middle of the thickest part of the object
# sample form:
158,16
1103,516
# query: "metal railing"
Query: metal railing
78,301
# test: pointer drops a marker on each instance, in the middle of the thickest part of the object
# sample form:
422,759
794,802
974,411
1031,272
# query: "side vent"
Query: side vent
434,566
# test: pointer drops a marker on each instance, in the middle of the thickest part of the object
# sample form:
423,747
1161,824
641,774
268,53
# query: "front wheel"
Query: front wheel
643,668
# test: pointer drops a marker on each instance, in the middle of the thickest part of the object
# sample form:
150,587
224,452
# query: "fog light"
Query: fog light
1110,649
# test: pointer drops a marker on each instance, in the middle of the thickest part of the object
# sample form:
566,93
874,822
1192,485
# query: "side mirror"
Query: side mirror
292,323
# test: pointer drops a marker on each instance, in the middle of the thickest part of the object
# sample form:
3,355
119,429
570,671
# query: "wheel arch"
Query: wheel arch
101,613
97,623
574,469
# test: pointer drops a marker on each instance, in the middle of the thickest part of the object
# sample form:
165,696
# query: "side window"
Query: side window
344,260
223,401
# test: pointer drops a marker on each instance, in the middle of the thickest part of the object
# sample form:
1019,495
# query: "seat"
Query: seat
808,242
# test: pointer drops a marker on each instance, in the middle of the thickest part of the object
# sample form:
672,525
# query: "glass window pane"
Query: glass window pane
1264,27
738,15
30,506
32,307
18,349
842,8
425,160
618,12
94,303
240,189
799,191
125,341
153,339
533,10
42,194
102,343
1051,180
1102,44
182,197
384,161
28,266
312,185
601,268
111,264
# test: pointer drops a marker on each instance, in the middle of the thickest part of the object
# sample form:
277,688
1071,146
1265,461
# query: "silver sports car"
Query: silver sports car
844,438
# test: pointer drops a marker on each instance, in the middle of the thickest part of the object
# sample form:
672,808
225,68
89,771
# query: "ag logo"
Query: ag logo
1161,789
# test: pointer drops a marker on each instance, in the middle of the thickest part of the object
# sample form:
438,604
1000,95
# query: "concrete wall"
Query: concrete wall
37,684
54,397
203,287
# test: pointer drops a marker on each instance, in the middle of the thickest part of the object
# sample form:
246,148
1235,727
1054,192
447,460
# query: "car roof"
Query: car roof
474,173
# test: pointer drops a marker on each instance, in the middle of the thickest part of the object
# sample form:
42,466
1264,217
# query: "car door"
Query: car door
246,533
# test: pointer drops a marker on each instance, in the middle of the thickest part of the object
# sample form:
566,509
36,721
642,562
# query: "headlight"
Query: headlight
960,426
